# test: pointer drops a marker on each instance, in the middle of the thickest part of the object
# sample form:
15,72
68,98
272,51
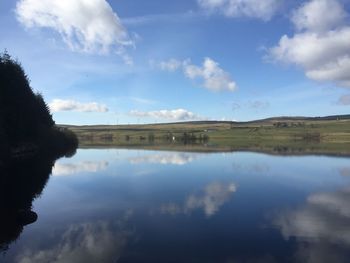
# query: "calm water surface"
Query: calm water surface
150,206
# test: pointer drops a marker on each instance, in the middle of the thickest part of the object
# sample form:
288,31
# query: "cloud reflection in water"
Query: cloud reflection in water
176,158
321,226
64,169
211,198
99,241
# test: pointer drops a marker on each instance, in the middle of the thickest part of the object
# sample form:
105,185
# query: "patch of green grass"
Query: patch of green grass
272,135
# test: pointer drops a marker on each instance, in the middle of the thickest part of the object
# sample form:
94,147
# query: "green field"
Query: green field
327,135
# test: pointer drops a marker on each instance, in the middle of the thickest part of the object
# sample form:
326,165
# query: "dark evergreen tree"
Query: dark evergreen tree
24,116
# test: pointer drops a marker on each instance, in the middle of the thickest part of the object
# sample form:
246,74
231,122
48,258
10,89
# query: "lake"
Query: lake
113,205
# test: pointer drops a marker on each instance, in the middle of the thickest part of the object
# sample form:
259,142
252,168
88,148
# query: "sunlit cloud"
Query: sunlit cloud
172,115
210,199
84,25
319,16
63,169
166,158
213,77
260,9
210,75
71,105
321,42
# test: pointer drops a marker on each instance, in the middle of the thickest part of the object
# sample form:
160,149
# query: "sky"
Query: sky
136,61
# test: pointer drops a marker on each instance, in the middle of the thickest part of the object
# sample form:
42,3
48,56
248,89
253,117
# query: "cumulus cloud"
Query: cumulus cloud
212,197
319,16
173,115
84,25
323,221
210,74
72,105
63,169
213,77
344,100
260,9
321,44
166,158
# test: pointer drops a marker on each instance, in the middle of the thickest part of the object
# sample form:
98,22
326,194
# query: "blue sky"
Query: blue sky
137,61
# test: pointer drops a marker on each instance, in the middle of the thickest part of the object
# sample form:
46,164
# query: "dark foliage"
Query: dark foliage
188,138
24,115
29,144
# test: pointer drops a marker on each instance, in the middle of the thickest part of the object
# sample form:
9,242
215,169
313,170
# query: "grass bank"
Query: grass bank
298,135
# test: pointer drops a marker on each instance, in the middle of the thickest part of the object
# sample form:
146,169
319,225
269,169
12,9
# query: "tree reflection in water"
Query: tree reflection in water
21,181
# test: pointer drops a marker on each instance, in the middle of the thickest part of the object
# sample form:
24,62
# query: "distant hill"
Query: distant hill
259,121
300,118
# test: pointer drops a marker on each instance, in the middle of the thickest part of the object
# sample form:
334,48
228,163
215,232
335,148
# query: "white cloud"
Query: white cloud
64,169
84,25
260,9
213,196
166,158
170,65
214,78
321,45
211,75
319,15
174,115
72,105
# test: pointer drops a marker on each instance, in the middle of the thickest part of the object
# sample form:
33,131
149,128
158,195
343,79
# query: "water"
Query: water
156,206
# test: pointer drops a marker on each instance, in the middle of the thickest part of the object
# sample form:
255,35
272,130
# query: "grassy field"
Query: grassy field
328,135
